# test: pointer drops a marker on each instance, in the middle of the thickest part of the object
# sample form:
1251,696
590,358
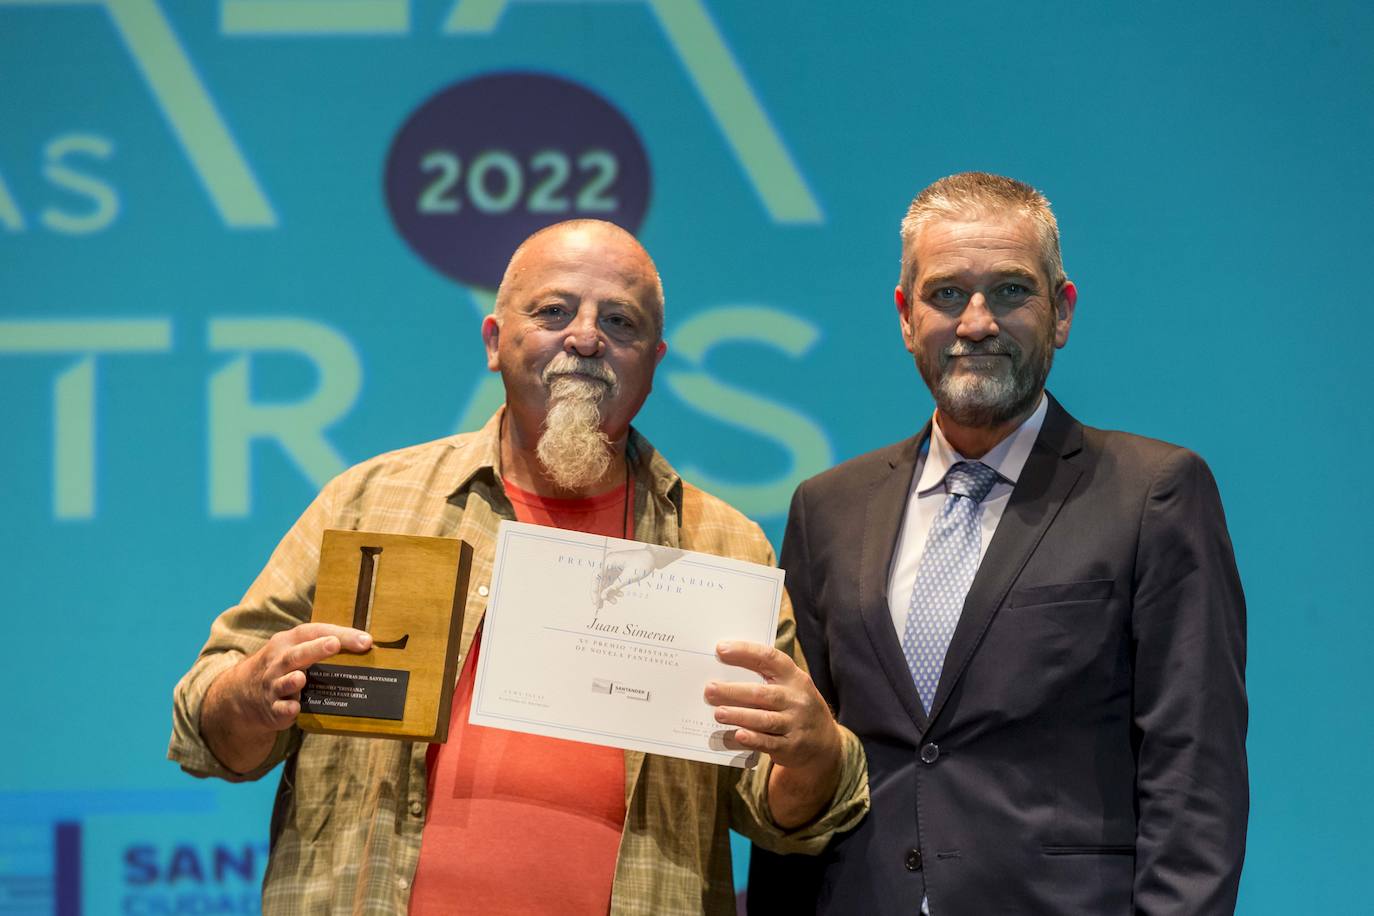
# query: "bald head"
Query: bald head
587,239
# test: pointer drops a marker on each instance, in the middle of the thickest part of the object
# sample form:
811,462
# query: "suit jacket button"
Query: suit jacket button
930,753
913,860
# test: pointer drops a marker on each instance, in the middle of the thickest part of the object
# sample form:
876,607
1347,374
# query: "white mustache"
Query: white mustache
568,364
990,346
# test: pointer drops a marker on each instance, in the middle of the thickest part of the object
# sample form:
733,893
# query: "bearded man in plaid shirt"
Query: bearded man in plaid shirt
496,821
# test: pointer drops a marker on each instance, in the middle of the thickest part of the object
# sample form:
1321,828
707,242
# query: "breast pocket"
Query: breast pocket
1061,593
1049,642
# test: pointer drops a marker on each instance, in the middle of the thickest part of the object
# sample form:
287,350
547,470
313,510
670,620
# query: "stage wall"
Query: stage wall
246,243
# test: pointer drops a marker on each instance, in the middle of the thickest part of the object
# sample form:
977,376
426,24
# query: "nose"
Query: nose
582,337
977,322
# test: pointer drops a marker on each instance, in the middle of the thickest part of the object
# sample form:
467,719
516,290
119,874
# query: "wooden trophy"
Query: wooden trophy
408,591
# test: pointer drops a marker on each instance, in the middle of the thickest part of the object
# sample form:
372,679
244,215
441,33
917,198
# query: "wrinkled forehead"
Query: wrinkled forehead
585,261
610,257
1001,234
987,240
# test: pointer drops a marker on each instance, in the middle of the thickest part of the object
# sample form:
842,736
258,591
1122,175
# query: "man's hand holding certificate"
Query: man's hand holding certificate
647,648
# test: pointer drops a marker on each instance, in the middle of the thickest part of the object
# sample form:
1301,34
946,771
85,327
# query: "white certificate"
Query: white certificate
612,642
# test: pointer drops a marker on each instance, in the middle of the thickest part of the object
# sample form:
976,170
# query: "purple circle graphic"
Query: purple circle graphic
487,161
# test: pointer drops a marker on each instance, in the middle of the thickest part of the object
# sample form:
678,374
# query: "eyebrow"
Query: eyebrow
550,291
1019,273
559,292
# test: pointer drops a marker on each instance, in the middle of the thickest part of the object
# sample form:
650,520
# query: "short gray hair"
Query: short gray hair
974,194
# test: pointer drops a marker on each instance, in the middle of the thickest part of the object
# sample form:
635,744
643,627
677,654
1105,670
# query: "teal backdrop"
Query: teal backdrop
209,305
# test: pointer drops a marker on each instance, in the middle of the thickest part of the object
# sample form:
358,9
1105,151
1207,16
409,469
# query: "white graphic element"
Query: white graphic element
721,82
10,215
236,420
228,179
74,391
548,170
314,17
58,169
474,17
177,88
804,440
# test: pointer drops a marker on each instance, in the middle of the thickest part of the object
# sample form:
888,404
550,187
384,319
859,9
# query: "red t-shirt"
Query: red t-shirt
521,823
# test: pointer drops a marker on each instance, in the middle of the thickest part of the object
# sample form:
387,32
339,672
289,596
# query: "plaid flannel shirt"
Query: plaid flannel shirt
349,812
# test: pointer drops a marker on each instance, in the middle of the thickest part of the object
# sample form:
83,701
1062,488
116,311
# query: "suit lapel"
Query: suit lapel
887,499
1044,484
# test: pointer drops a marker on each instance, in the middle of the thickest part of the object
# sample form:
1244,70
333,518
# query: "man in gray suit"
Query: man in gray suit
1035,627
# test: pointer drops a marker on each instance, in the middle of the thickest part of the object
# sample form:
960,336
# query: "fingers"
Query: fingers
276,673
284,712
303,655
265,688
283,699
763,716
744,693
768,661
350,639
762,721
302,646
782,748
288,686
743,740
793,737
281,669
784,717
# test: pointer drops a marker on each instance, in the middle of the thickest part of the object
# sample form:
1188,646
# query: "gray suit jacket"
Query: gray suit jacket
1085,751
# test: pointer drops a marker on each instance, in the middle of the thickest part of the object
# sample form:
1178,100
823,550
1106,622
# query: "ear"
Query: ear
1064,302
491,339
660,351
904,318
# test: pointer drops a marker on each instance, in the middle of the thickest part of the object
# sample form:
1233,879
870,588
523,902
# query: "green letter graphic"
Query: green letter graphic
235,420
176,86
797,433
74,415
57,169
723,86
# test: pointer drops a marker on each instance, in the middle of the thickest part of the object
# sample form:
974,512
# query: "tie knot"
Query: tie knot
970,478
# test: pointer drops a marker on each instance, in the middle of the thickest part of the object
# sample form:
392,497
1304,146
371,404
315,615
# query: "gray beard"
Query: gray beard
983,401
574,451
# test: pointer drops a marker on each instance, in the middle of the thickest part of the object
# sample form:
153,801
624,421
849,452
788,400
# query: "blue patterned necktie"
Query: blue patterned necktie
944,575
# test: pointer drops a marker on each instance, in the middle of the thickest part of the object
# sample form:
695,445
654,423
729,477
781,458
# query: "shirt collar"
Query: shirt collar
1007,457
482,454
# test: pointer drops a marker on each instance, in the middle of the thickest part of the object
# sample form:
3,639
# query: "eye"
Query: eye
1013,291
621,326
946,297
551,310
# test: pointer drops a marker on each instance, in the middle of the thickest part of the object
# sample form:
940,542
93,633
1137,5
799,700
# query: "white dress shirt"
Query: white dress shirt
927,496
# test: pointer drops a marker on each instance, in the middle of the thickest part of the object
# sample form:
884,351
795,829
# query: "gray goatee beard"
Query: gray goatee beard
983,401
574,451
